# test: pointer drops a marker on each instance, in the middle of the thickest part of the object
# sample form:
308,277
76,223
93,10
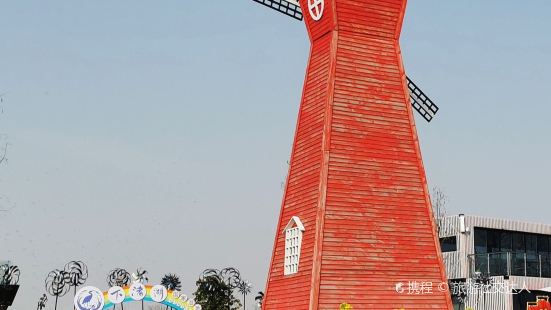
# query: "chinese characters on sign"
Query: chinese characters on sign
158,293
459,289
116,295
137,291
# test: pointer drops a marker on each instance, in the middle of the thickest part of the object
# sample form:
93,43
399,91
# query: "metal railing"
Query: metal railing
511,264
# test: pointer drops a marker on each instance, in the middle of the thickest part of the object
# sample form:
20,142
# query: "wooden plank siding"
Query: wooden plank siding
356,178
303,183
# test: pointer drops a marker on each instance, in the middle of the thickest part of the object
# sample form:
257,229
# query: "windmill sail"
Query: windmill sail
287,7
421,102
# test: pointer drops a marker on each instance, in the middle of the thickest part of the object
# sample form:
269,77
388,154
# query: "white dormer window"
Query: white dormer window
293,241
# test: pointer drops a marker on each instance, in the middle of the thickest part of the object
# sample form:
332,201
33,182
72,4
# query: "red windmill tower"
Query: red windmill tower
356,220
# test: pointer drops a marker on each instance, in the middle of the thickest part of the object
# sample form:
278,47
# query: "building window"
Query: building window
531,243
293,241
493,238
532,258
480,245
448,244
545,253
500,252
543,244
506,241
518,242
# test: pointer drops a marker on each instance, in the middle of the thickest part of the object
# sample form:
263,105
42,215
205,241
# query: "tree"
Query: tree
213,293
439,201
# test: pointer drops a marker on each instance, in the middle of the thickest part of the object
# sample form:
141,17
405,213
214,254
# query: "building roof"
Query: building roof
450,224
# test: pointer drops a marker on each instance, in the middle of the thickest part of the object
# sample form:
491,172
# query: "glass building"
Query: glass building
495,263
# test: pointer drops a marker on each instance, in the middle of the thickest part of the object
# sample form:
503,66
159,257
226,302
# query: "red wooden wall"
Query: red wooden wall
356,178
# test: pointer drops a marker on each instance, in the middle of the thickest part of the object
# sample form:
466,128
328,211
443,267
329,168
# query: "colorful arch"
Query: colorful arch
174,299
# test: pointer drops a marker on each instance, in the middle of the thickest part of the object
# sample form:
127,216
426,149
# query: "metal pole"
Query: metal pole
525,272
488,264
540,263
508,263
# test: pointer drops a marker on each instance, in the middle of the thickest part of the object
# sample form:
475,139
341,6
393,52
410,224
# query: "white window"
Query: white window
293,241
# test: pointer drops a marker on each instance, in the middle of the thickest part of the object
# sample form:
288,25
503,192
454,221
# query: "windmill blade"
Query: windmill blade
287,7
421,102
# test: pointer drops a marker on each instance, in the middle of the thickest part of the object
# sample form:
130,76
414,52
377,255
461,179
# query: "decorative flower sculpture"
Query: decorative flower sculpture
42,302
9,275
244,287
140,276
259,299
231,276
171,282
118,277
57,284
77,273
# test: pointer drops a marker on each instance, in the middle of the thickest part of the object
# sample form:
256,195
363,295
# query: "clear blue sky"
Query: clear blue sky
156,133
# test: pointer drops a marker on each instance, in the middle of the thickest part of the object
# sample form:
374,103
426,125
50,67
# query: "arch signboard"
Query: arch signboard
92,298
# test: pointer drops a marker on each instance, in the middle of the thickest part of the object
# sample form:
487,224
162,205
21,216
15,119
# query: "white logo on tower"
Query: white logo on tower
316,8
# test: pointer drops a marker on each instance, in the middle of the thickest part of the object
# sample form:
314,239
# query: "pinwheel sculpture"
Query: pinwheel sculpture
9,275
118,277
9,278
140,276
42,302
244,287
211,278
57,284
259,298
171,282
77,274
229,276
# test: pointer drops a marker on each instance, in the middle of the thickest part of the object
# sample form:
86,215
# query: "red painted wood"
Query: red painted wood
356,178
